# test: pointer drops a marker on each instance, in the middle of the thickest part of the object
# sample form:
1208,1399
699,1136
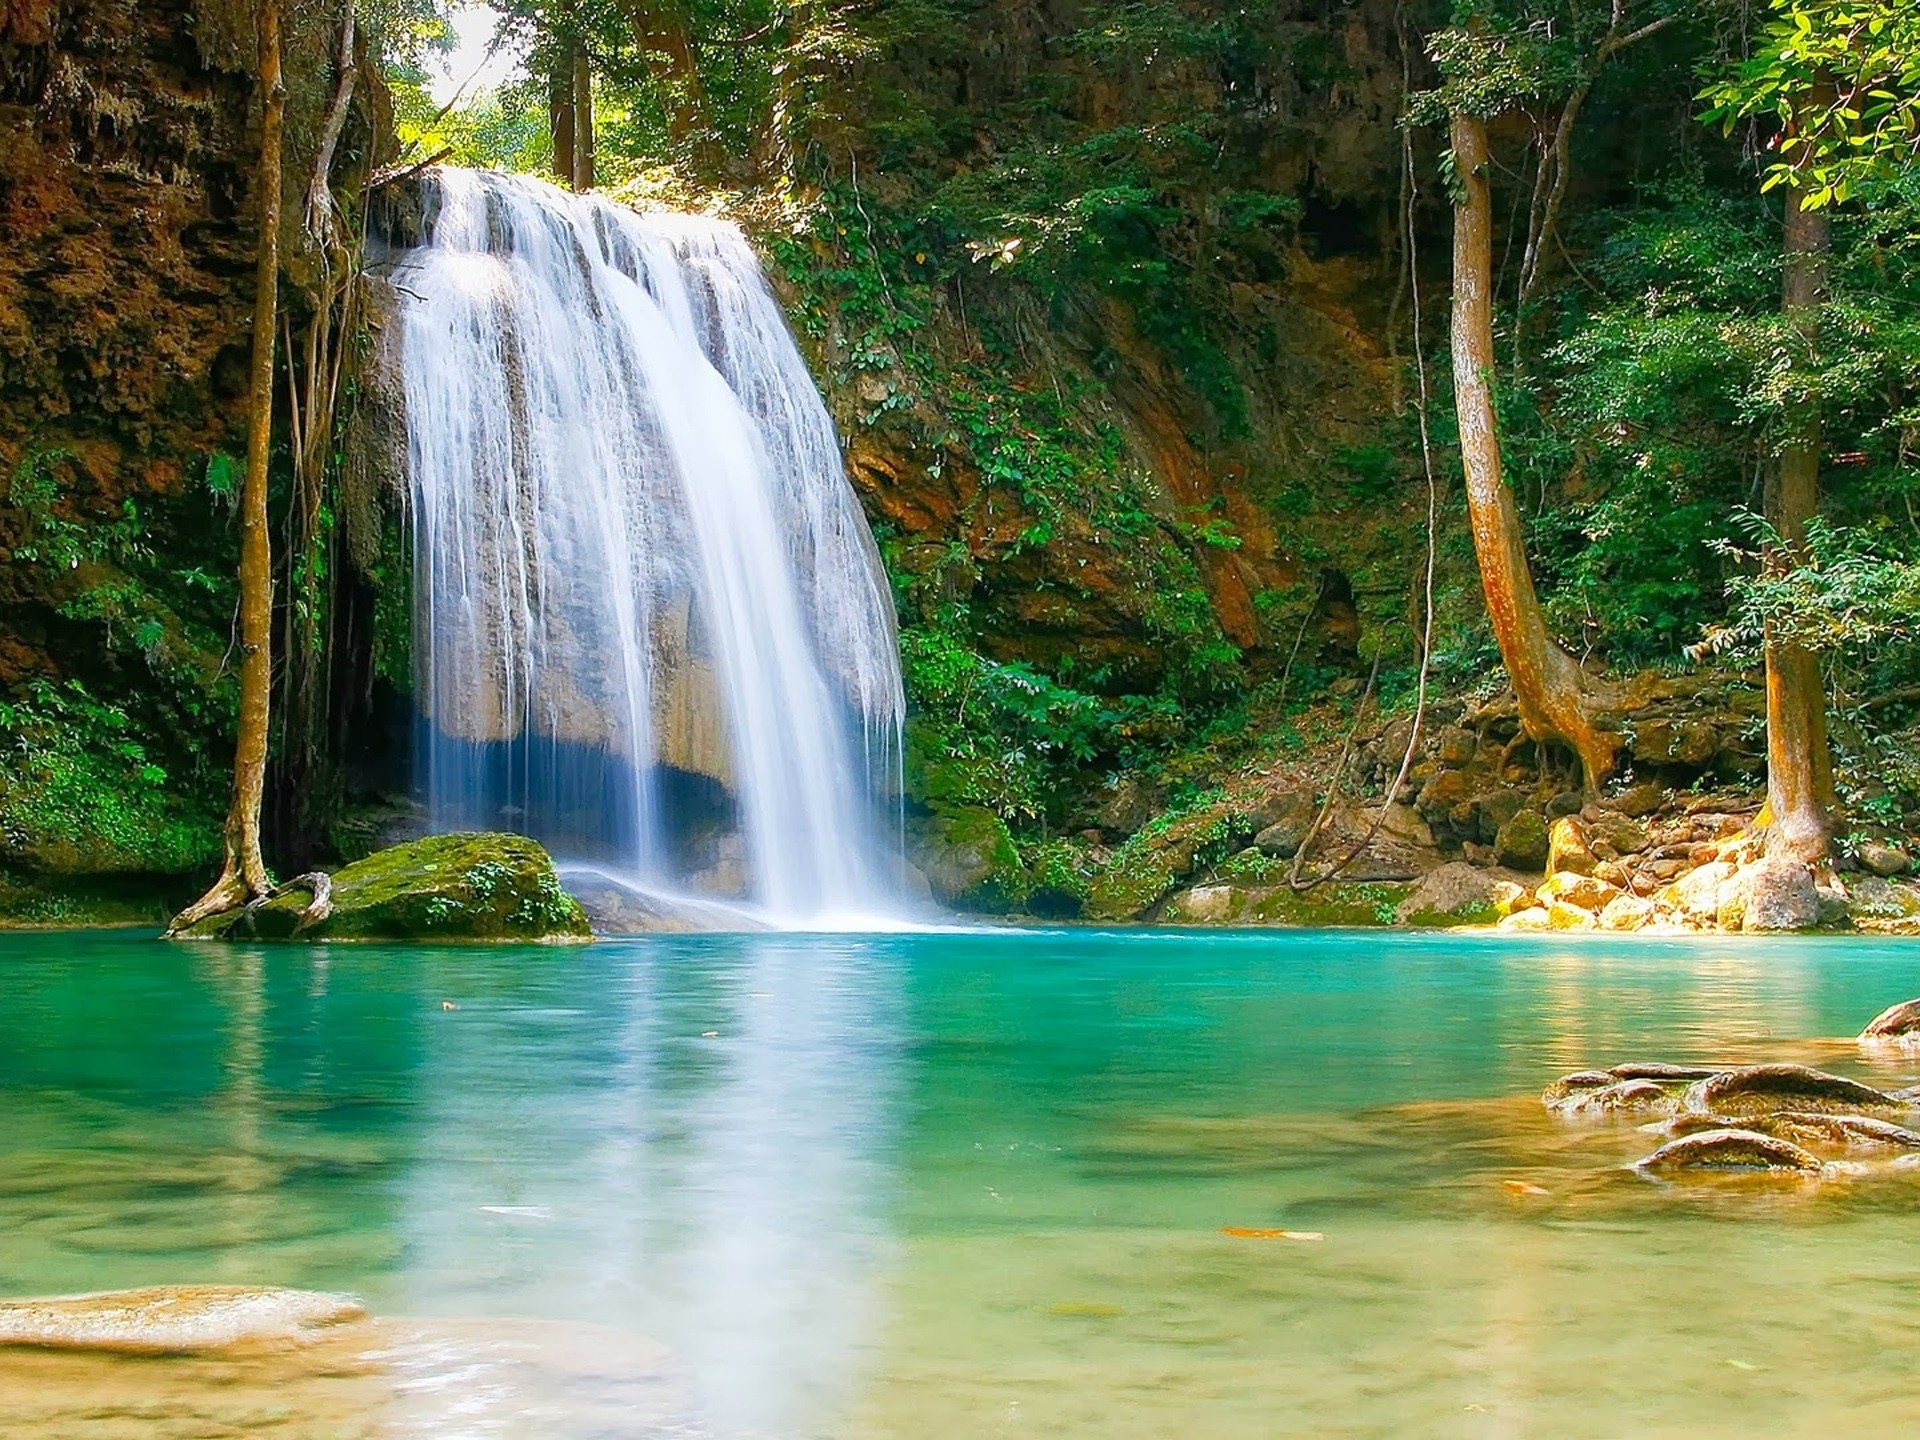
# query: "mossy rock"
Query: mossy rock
473,886
969,858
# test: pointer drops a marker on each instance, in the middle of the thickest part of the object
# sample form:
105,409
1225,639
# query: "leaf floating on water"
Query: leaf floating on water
1743,1365
1243,1232
1084,1310
448,1005
1524,1187
709,1034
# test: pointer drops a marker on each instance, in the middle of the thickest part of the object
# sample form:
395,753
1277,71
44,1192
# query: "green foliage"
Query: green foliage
1841,81
80,792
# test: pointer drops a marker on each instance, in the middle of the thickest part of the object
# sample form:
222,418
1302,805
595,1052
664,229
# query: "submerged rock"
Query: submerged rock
1897,1022
1623,1097
175,1319
1844,1131
471,886
1767,1089
1739,1150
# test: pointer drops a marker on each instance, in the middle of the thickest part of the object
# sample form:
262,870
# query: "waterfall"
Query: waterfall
651,625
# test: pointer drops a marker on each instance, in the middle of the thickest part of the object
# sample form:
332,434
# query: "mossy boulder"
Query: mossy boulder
473,886
969,858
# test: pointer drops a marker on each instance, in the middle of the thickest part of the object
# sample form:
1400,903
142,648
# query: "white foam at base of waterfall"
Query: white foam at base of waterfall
648,608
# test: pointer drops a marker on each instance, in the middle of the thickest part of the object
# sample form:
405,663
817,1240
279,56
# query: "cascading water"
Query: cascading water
648,609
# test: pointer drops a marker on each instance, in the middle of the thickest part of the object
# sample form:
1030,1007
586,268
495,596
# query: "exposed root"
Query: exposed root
319,887
229,892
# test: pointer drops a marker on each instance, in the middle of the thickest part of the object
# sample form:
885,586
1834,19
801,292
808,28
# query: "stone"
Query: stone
1871,898
1775,894
1567,802
1628,912
1695,896
1739,1150
1562,916
175,1319
1526,922
1510,895
1766,1089
1403,823
1689,743
1661,1070
966,854
1205,905
1639,801
1885,861
1456,746
1569,1088
1897,1022
475,885
1286,829
1129,803
1587,892
1440,795
1495,809
1456,893
1622,1097
1617,833
1568,848
1848,1132
1522,842
1484,856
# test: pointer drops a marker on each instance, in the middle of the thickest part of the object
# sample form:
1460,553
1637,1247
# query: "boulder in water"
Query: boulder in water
1737,1150
470,886
1767,1089
175,1319
1897,1022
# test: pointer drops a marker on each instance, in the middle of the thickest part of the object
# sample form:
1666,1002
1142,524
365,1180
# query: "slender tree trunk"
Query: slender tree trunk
1800,794
582,121
1558,699
562,118
243,876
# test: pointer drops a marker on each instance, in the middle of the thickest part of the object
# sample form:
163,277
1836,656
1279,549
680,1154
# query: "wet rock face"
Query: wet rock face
467,887
1897,1022
175,1319
1764,1089
1737,1150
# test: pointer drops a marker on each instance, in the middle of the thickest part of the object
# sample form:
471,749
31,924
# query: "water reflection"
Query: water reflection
694,1147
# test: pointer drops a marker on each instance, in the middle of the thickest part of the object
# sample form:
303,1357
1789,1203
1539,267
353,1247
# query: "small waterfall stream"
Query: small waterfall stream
651,625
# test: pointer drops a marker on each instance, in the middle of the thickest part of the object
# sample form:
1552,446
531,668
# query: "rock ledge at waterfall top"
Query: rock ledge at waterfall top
472,886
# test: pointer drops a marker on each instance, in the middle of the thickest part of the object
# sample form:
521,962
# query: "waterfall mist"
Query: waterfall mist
651,625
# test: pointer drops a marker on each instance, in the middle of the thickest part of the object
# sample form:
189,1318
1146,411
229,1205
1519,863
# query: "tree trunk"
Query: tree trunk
582,121
1800,795
243,876
1558,699
562,118
660,27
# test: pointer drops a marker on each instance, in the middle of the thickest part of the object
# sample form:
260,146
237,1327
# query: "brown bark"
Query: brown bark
1800,794
562,119
1558,699
243,875
582,121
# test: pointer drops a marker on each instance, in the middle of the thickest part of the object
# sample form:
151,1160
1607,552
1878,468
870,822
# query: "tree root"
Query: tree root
229,896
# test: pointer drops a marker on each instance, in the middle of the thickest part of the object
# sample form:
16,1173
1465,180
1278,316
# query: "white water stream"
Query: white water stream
649,613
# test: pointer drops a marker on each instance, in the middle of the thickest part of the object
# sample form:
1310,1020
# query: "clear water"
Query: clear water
949,1185
642,575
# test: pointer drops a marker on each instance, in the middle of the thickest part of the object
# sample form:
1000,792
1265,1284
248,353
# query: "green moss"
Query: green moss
1166,851
473,886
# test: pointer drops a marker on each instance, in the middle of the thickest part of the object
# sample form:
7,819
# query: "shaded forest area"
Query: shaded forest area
1136,320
